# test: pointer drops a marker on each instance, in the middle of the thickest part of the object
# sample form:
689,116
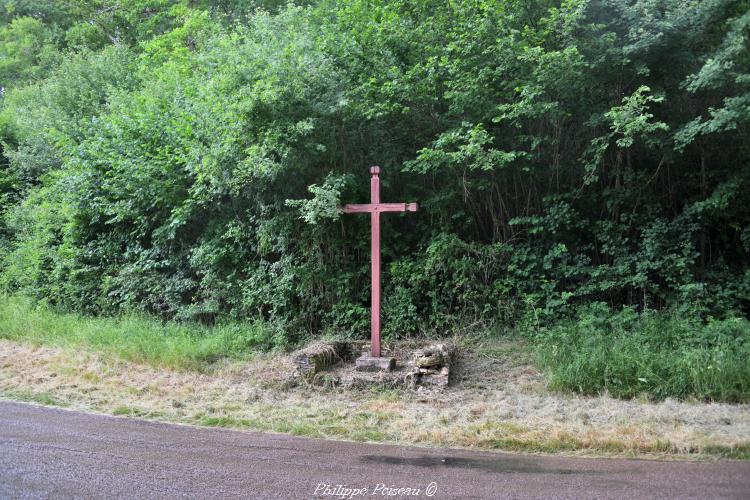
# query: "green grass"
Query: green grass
42,398
738,452
133,338
656,355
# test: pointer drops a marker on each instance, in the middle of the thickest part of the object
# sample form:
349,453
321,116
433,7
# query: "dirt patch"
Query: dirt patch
497,400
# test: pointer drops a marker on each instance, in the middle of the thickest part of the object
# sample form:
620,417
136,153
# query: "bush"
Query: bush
652,354
189,163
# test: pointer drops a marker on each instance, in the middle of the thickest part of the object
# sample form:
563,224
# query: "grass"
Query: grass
738,452
30,396
135,338
139,367
502,415
653,355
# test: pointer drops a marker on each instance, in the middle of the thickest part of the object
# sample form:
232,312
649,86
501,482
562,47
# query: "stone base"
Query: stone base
367,363
396,379
431,366
435,380
320,356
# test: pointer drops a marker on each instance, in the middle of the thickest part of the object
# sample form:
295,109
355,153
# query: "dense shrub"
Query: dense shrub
186,159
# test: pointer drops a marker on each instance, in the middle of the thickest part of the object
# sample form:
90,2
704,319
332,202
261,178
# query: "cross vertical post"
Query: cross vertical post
375,264
374,208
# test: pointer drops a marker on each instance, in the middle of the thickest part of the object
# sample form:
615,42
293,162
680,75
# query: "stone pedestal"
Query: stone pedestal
367,363
432,365
320,356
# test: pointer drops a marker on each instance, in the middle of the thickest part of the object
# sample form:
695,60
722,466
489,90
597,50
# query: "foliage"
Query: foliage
325,203
25,51
187,159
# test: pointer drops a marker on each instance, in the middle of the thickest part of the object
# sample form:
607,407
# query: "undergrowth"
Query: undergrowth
138,338
654,354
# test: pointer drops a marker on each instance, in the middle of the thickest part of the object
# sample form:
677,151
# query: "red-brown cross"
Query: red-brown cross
374,208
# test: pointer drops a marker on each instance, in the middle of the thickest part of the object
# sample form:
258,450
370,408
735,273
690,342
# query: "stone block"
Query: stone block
431,365
320,356
367,363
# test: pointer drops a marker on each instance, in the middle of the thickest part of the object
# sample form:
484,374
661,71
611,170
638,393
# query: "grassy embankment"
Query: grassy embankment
134,338
653,355
117,366
656,355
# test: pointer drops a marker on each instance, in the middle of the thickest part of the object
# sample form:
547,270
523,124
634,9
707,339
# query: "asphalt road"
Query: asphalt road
50,453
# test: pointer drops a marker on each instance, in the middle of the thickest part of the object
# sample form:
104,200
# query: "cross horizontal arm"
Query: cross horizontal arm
379,207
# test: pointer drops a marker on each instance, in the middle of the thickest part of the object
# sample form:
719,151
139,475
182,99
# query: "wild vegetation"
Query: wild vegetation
185,159
660,355
134,337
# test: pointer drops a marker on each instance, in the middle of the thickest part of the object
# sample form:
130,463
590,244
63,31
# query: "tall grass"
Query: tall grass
653,354
133,337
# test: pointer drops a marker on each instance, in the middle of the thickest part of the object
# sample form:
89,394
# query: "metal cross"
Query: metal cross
374,208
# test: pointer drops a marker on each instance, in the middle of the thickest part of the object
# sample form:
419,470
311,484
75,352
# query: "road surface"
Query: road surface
51,453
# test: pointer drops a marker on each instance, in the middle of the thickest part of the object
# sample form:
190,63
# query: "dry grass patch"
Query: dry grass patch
498,403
